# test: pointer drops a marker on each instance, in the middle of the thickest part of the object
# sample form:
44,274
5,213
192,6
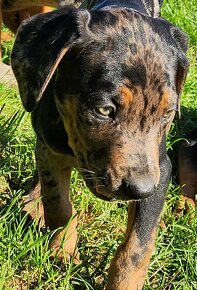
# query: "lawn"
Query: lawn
24,256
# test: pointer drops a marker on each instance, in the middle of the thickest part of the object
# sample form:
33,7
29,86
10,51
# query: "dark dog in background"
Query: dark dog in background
103,86
187,159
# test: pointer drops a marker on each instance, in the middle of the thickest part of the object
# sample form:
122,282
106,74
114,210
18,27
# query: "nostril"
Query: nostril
138,189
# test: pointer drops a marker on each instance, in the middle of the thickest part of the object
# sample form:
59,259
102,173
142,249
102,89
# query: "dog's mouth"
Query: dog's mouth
125,192
94,189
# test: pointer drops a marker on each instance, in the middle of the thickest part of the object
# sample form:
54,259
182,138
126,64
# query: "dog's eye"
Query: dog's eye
106,111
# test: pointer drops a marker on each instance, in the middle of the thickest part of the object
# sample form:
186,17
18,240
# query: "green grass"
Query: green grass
24,254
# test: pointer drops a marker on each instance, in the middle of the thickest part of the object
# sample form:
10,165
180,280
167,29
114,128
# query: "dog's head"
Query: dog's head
118,77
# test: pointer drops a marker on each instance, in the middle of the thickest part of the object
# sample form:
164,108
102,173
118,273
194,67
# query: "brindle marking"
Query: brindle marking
105,83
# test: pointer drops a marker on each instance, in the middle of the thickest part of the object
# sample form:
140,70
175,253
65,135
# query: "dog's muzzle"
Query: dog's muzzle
128,190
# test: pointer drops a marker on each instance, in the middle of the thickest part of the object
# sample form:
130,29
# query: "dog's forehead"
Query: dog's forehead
129,26
122,40
130,52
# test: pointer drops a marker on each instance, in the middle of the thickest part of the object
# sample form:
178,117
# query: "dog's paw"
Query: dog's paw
64,246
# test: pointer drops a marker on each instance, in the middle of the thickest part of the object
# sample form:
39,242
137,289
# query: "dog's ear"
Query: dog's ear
41,43
181,41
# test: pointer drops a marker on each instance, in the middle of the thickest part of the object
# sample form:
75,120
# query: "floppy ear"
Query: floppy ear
181,41
41,43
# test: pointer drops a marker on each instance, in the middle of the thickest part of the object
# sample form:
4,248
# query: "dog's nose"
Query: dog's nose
138,188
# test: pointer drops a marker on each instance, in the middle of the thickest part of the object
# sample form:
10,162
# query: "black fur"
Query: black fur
72,66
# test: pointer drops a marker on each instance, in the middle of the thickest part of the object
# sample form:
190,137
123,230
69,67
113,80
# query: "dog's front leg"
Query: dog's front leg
129,266
54,174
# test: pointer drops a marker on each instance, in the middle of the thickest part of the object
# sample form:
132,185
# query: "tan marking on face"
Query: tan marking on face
164,102
127,96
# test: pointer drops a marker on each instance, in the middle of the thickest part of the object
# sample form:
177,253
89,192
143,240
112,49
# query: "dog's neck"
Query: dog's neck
148,7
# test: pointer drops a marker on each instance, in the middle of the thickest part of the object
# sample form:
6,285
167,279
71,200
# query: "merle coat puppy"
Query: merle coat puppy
103,85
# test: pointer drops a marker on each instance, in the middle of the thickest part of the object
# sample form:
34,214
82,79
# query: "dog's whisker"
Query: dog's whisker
86,170
97,168
99,185
87,174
